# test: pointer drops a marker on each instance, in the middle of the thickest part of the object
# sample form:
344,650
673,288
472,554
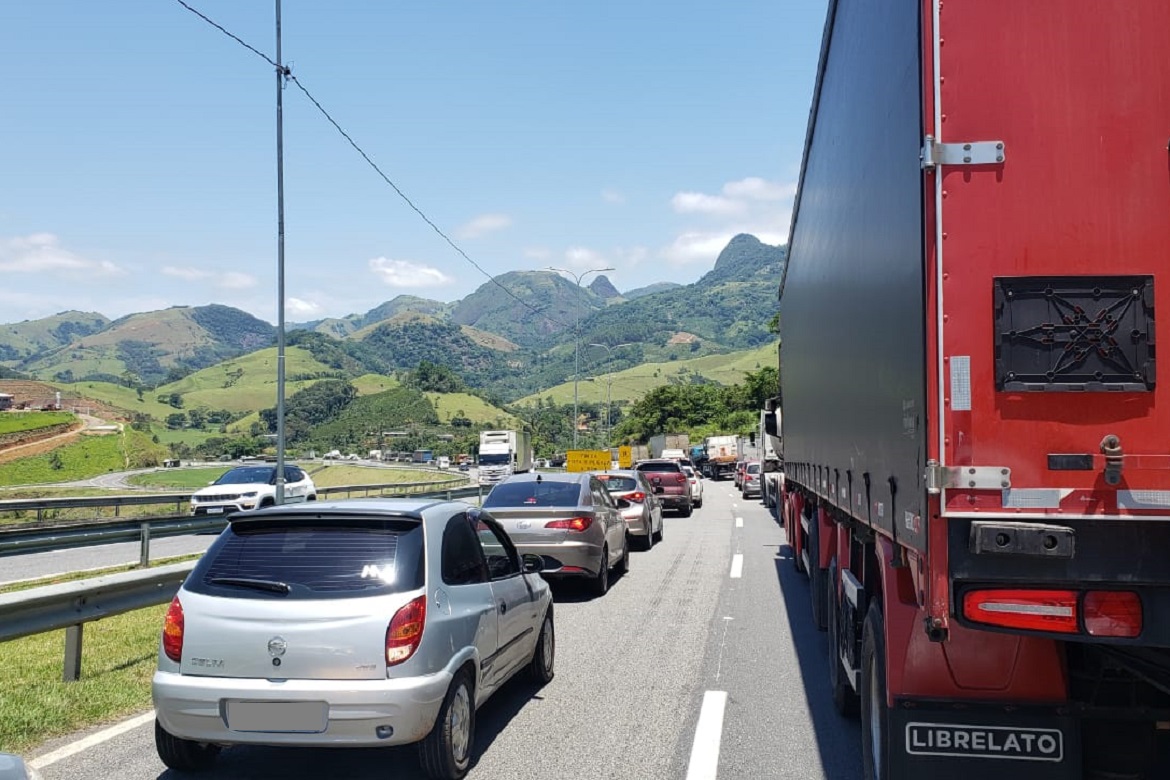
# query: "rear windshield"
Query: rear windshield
529,492
342,558
753,468
616,484
247,475
674,467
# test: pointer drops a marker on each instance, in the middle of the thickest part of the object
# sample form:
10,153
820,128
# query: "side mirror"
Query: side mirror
533,564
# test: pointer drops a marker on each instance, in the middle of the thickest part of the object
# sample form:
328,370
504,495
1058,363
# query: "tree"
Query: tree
176,420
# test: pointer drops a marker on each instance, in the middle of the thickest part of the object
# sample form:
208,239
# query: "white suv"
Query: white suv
251,487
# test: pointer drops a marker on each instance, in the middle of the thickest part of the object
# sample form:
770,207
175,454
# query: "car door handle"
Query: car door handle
503,607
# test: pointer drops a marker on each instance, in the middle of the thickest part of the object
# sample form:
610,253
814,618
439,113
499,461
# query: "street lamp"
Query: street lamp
577,338
609,385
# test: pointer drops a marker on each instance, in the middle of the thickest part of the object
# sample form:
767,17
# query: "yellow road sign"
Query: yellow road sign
625,457
587,460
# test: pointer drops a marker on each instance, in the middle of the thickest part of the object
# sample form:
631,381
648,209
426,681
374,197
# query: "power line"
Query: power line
288,75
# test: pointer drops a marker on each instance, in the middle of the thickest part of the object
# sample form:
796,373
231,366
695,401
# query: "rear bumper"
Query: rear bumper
196,708
675,501
567,559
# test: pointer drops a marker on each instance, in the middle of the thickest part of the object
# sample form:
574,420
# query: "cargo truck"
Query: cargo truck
976,444
770,449
670,445
502,453
722,455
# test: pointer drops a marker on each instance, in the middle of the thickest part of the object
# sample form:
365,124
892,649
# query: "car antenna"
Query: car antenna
539,478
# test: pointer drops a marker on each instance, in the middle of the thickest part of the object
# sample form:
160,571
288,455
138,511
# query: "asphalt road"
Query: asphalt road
678,636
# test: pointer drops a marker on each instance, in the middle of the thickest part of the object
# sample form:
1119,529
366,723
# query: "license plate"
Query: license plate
308,717
214,510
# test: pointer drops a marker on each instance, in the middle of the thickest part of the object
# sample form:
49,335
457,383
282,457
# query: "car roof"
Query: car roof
556,476
617,472
418,509
657,460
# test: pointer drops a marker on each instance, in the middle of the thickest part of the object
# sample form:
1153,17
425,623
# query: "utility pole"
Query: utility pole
577,340
609,385
281,75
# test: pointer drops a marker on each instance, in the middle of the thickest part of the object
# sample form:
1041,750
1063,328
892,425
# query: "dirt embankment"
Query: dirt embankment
25,444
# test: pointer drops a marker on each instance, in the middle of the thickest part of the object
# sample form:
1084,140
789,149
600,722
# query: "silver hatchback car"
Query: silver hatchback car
360,623
569,520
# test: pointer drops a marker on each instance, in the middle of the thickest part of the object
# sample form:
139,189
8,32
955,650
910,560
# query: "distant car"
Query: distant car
643,510
738,478
669,483
356,623
569,519
465,467
251,487
750,484
696,485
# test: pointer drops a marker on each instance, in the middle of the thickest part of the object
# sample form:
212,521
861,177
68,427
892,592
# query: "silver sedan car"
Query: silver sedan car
353,623
641,509
569,520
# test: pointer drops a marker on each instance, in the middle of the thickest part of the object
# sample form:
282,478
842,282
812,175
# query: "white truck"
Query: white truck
669,445
771,453
503,453
722,454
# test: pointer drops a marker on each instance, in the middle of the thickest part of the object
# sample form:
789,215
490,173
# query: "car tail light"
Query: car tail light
680,478
172,638
573,524
637,496
405,631
1033,610
1113,613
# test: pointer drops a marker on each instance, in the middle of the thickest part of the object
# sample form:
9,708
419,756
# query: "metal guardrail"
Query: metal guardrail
73,604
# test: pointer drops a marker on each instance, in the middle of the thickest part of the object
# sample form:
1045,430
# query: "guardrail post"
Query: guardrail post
144,554
448,495
73,635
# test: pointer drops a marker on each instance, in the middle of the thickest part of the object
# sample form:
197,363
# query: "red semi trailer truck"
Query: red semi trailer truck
977,446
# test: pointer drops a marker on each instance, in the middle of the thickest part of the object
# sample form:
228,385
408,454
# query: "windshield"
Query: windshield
754,468
494,459
690,472
663,466
529,492
247,475
616,484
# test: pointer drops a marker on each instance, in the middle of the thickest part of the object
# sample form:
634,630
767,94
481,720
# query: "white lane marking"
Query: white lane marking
736,566
93,739
739,522
734,506
708,733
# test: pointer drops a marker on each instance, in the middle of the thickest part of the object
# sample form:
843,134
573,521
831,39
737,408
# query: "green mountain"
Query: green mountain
151,346
344,326
403,345
604,289
650,289
544,304
22,341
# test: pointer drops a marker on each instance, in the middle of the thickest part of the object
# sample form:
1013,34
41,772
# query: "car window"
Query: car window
754,468
293,474
690,472
501,557
247,475
461,556
347,557
529,492
618,484
600,495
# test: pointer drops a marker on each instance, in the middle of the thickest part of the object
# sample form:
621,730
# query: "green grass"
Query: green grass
123,397
16,422
180,479
116,668
474,408
329,475
246,383
369,384
633,383
87,457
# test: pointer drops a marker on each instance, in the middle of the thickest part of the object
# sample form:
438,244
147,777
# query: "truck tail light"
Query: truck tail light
405,631
1113,613
1032,610
172,637
577,524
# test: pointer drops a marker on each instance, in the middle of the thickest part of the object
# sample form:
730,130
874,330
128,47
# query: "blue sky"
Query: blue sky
137,149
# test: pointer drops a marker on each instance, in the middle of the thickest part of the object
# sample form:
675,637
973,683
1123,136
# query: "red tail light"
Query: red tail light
405,631
637,496
1113,613
172,638
574,524
1033,610
680,478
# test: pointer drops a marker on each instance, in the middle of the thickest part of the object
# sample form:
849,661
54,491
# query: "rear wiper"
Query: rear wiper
271,586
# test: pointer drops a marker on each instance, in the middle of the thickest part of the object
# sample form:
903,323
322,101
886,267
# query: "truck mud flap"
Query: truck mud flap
975,743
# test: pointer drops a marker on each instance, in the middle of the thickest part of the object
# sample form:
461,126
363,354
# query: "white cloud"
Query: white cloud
755,188
40,253
613,196
696,247
226,280
699,203
301,308
404,273
585,258
483,224
751,205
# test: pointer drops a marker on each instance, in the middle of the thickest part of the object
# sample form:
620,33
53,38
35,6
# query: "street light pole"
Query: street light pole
577,339
281,74
609,385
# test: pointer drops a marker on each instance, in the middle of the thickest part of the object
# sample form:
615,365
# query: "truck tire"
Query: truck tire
816,576
845,699
875,715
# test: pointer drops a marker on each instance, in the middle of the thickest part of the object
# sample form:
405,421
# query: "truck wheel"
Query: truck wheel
875,715
816,576
792,530
845,699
